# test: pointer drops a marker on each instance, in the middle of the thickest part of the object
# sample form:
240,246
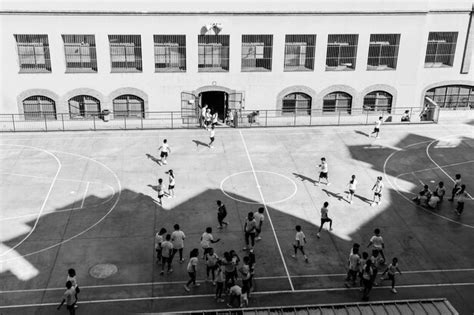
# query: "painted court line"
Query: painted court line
85,195
256,278
434,162
45,199
268,213
436,285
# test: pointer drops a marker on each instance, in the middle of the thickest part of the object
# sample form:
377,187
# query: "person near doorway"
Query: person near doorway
229,119
214,119
202,117
212,134
207,118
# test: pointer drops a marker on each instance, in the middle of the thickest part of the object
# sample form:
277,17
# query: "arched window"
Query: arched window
337,101
84,106
299,103
128,106
378,101
453,96
39,107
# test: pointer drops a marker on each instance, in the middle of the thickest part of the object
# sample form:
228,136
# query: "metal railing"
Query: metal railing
240,119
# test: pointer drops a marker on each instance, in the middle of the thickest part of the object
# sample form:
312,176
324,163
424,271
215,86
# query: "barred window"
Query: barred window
453,96
213,53
33,53
299,52
341,52
383,51
126,53
80,53
129,106
440,49
378,101
337,102
39,107
257,52
170,53
84,106
298,103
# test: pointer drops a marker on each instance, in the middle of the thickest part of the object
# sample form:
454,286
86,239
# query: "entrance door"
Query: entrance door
217,101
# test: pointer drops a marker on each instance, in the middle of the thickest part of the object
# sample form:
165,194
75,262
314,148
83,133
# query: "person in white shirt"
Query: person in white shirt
461,196
192,265
300,240
165,150
457,185
212,134
323,172
391,269
377,241
206,240
172,183
378,123
259,218
177,239
378,186
352,188
159,238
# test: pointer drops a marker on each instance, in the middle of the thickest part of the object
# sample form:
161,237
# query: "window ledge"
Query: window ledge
80,71
34,71
212,70
170,70
380,69
339,69
257,70
298,70
437,65
126,71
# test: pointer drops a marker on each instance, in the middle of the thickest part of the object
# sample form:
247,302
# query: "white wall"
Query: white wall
261,88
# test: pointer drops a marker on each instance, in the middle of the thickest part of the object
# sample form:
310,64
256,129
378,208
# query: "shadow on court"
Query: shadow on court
200,143
305,178
362,133
154,159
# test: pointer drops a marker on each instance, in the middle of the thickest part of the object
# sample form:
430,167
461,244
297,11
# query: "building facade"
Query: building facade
170,57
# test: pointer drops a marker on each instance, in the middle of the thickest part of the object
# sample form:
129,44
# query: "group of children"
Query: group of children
432,199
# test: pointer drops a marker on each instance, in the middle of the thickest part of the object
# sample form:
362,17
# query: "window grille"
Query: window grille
341,52
440,49
125,53
383,51
299,52
298,103
378,101
129,106
38,107
257,52
80,53
33,53
84,106
453,96
170,53
337,102
213,53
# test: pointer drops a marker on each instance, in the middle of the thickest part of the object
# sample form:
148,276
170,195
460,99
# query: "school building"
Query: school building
300,57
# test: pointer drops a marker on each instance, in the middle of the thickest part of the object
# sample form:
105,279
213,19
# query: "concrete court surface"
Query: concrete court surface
80,199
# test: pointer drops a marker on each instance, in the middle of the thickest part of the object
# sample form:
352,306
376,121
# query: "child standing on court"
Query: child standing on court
378,123
461,195
69,298
390,271
212,134
352,188
440,191
211,265
206,240
457,185
250,229
324,218
161,191
71,276
377,241
300,240
259,217
159,238
171,184
177,239
221,214
165,150
166,254
220,278
378,186
192,265
323,171
354,261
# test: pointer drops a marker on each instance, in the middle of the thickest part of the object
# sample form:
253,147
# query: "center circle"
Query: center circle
252,192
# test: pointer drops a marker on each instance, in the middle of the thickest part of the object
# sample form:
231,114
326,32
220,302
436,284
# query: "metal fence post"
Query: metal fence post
411,113
171,120
339,118
62,120
93,119
266,118
294,119
367,118
125,122
310,116
45,123
13,120
141,121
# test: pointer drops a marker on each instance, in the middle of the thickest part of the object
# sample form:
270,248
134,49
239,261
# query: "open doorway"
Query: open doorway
217,101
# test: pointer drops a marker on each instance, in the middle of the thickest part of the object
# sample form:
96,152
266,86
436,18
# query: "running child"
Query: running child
300,240
323,172
457,185
352,188
192,265
221,214
259,218
390,271
377,241
378,186
460,196
166,254
159,238
165,150
206,240
211,265
161,191
171,184
324,218
378,123
177,239
212,134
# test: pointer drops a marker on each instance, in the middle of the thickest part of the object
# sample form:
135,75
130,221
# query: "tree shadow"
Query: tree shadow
198,143
362,133
303,178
